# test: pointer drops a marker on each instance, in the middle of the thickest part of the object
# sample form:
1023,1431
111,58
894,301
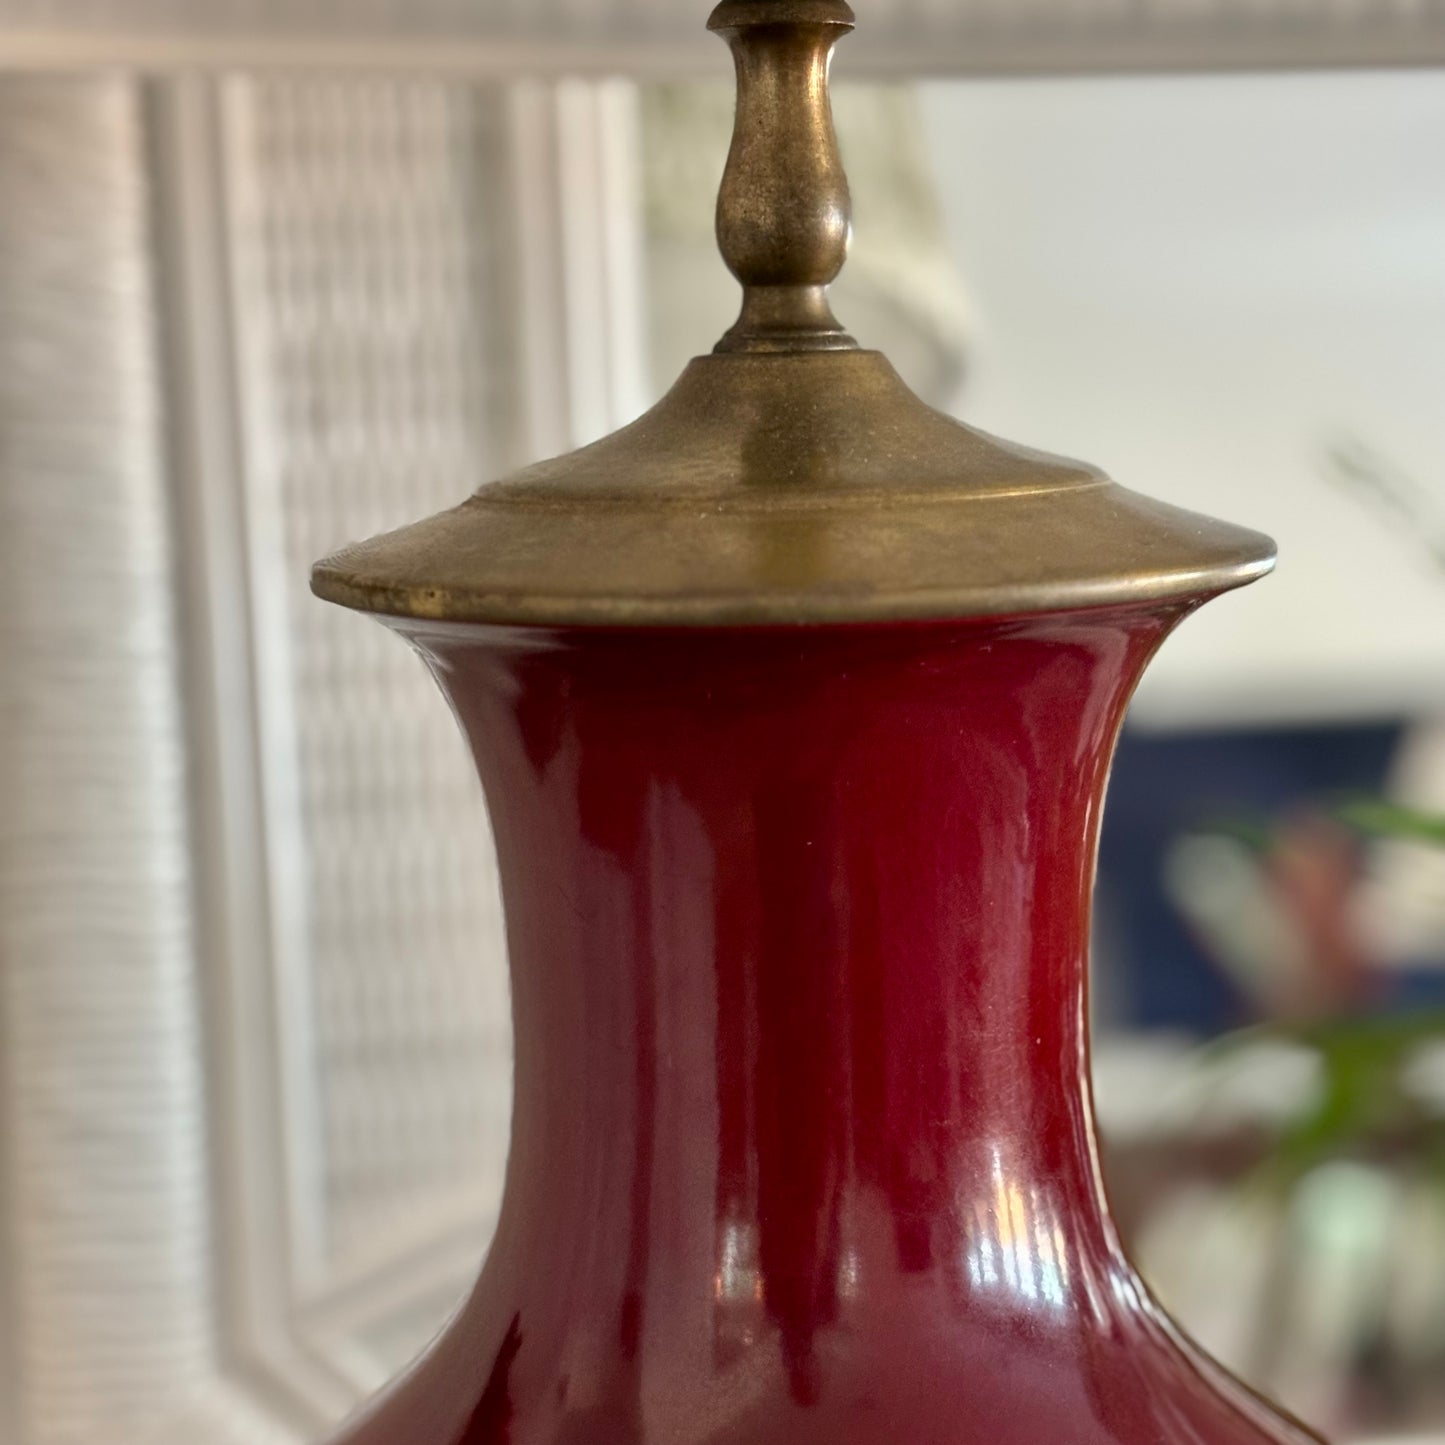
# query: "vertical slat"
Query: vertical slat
373,352
245,1008
103,1167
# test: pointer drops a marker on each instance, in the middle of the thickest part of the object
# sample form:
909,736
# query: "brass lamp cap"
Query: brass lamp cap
790,477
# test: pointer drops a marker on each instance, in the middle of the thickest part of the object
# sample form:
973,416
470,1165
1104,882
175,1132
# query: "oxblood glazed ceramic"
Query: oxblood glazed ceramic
803,1149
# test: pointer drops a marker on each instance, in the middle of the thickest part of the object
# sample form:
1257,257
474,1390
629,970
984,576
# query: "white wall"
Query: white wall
1203,285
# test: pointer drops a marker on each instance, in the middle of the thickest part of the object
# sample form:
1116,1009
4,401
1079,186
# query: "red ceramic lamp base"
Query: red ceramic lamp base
803,1146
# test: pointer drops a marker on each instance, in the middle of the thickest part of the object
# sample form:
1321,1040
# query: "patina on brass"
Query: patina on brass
789,477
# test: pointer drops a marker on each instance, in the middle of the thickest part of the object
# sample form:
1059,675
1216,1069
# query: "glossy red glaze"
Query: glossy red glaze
803,1147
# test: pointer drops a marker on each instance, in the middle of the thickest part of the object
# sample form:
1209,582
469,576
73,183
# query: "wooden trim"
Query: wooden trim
644,39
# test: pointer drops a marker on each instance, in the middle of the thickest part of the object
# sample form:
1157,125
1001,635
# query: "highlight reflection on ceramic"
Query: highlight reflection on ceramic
802,1146
1015,1246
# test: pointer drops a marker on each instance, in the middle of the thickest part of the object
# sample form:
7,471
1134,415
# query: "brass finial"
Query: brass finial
783,211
